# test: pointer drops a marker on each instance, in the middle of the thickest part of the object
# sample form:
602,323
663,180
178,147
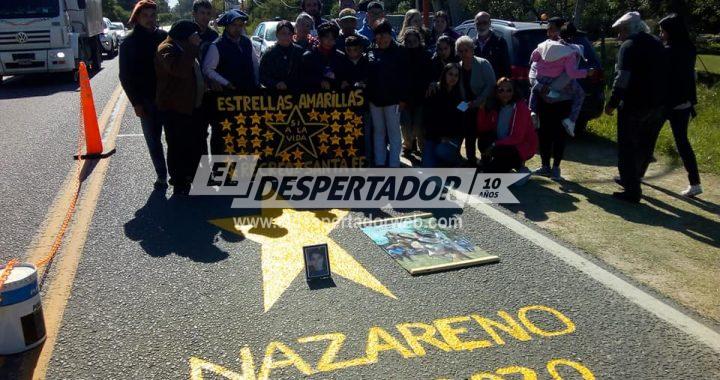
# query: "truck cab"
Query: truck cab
49,36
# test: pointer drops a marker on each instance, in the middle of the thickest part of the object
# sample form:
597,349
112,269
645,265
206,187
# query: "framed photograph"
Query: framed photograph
317,261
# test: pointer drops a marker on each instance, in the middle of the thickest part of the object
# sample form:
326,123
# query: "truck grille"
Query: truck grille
24,37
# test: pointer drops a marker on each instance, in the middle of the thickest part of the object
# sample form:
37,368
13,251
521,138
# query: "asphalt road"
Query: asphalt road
161,293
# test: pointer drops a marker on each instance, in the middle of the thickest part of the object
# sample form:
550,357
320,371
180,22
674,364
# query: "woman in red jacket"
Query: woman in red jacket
509,117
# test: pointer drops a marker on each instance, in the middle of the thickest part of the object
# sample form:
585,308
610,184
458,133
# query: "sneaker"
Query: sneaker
543,171
692,191
535,120
569,126
555,174
523,180
160,184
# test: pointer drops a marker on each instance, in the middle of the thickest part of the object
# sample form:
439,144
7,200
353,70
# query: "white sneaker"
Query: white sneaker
535,120
569,127
692,191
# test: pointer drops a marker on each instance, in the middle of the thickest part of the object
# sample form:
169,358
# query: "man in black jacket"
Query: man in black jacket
280,65
639,93
323,66
491,46
137,76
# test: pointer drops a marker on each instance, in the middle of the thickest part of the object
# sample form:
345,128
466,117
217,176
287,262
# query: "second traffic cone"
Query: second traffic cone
93,141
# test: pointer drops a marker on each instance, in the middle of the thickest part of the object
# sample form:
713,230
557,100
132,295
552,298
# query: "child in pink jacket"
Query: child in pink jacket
556,63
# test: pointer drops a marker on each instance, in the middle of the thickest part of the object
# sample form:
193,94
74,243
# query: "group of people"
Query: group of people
428,90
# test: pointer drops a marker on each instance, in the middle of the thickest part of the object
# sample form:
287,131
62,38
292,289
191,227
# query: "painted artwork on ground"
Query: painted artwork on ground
420,245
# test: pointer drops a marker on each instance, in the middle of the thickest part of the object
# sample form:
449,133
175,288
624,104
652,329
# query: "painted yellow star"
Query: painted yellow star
357,132
279,116
282,256
351,151
349,127
323,148
335,127
348,140
268,116
338,152
323,137
256,142
229,149
335,115
228,139
324,117
241,141
240,118
298,164
335,140
313,115
257,152
297,153
241,130
269,135
255,118
268,151
255,130
348,114
358,120
284,156
226,124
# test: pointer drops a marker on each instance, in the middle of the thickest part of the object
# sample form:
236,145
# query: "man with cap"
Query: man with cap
491,46
324,66
375,13
230,63
639,93
180,89
348,25
137,76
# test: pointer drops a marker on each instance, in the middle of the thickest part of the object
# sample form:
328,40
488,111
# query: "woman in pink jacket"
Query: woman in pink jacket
509,117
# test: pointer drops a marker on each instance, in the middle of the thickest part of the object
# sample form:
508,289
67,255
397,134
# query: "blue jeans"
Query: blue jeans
386,124
152,127
437,153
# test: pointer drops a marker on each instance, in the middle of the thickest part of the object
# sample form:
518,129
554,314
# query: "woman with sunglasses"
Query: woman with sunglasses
478,79
507,117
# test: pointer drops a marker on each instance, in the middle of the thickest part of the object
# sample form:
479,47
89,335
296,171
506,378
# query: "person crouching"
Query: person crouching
180,89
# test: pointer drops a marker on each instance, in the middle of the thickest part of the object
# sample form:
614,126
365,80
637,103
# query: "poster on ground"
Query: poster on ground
420,246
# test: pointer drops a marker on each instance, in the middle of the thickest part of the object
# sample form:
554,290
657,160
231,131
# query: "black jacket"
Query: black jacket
387,76
442,119
495,50
437,65
682,75
137,63
420,74
357,72
641,80
317,67
281,64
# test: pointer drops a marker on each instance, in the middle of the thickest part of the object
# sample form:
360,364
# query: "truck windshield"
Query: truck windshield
29,8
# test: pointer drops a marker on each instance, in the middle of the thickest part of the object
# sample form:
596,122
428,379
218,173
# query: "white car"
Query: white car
109,39
119,29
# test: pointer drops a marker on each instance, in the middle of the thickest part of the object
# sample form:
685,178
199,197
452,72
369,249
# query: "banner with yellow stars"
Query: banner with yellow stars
315,129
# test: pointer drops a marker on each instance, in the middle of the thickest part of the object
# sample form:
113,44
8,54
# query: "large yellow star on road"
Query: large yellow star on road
282,256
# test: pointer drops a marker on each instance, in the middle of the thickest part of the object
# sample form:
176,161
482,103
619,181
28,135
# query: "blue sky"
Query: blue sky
172,3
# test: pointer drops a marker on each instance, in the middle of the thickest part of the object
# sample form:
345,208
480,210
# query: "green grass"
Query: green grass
704,131
709,63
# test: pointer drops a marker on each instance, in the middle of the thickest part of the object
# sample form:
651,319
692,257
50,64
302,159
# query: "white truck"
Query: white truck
49,36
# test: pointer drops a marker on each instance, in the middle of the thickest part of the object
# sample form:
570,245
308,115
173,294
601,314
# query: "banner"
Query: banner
312,129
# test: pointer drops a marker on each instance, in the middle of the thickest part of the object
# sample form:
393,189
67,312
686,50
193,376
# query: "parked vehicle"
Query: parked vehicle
264,36
120,30
109,38
49,36
522,38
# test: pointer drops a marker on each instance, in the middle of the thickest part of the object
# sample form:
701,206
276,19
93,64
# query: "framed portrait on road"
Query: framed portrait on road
317,262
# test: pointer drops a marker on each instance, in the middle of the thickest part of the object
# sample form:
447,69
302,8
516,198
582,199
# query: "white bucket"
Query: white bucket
22,325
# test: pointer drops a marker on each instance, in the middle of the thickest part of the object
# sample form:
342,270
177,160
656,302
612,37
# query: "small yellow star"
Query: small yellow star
257,152
285,156
268,151
352,152
323,148
338,152
348,114
226,124
336,115
348,140
255,118
335,127
349,127
335,140
323,137
357,132
242,151
297,153
240,118
256,142
358,120
313,115
255,130
324,117
241,141
228,139
279,116
269,135
268,116
298,164
241,130
229,149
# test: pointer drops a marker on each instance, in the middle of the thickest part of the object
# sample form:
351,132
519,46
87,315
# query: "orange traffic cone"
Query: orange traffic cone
93,141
